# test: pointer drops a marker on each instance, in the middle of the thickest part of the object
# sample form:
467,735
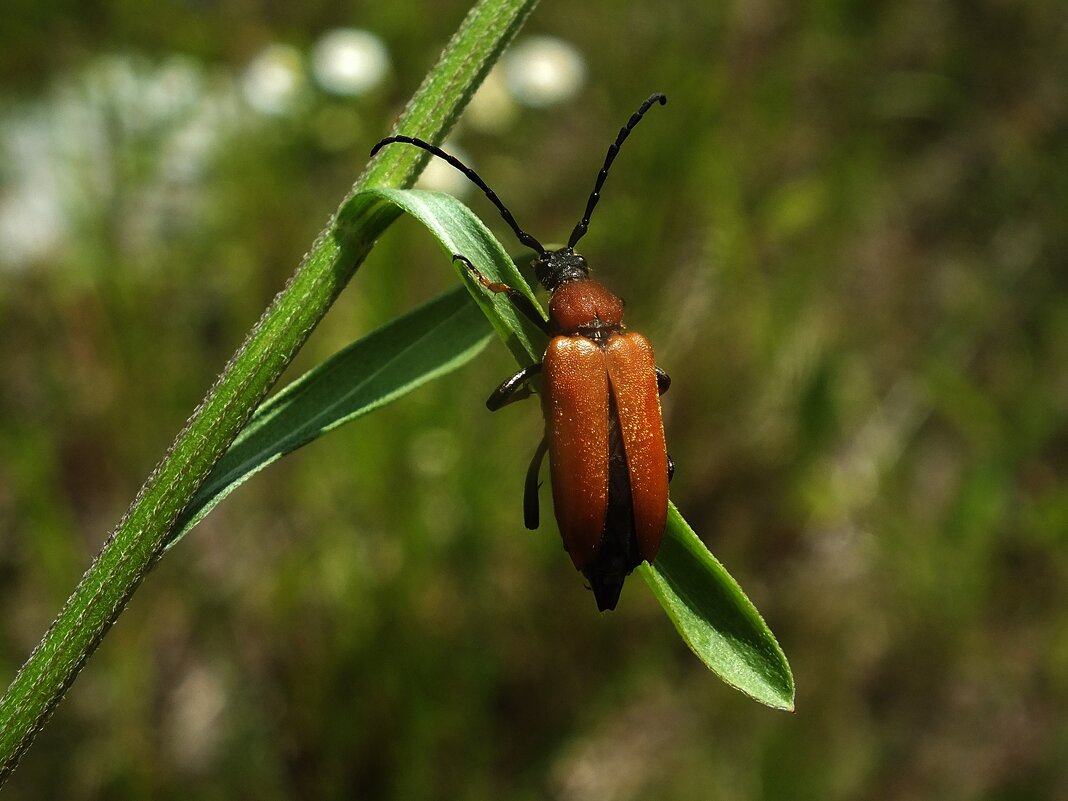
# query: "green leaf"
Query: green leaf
460,232
716,619
429,341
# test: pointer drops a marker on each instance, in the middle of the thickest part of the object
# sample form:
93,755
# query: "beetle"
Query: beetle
601,389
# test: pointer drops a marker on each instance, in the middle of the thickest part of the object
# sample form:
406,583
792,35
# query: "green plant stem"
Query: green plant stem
146,528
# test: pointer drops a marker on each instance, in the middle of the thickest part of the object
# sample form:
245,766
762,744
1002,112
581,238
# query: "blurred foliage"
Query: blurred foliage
845,236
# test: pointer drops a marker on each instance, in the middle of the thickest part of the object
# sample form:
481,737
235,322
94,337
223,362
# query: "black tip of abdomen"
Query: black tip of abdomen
606,591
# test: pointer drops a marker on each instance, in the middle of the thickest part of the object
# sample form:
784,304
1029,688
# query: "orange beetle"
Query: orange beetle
601,397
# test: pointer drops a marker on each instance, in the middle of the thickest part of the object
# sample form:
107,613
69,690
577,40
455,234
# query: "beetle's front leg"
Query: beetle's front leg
519,300
515,388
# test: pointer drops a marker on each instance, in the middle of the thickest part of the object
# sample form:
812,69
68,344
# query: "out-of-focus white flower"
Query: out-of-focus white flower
543,71
67,156
442,177
273,81
347,61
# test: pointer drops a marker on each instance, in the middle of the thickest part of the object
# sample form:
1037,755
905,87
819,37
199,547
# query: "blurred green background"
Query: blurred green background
846,237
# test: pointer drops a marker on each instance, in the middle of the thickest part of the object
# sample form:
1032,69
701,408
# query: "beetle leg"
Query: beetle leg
663,381
515,388
663,384
522,303
530,488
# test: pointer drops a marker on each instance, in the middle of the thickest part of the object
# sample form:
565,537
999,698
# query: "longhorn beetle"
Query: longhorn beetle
601,397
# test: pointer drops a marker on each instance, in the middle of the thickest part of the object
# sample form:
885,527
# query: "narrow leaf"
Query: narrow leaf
716,619
460,232
429,341
425,343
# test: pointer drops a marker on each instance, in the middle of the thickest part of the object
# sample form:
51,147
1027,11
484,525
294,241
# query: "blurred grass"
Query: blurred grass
846,240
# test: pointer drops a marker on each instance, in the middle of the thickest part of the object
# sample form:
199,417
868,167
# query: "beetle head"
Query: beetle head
556,267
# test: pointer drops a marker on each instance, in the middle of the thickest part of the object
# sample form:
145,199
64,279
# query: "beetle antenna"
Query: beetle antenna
472,176
595,195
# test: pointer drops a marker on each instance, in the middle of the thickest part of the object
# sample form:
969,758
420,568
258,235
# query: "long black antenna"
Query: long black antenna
595,195
472,176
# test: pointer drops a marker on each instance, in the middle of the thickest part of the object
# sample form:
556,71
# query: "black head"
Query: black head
552,267
555,267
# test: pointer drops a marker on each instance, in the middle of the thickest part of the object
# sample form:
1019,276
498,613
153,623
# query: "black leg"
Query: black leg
515,388
530,489
663,381
522,303
663,384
